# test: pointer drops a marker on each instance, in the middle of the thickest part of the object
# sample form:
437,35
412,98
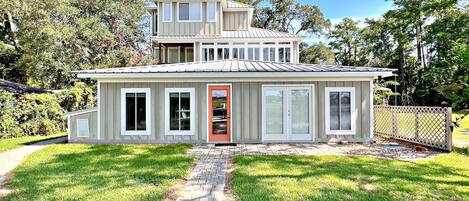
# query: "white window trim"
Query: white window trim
216,11
191,91
169,54
200,15
147,92
353,110
170,12
230,46
87,126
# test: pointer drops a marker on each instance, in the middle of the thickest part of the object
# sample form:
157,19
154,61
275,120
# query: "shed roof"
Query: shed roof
241,68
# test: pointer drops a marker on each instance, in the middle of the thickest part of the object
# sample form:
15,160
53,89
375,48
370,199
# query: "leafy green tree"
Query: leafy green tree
346,43
316,54
57,37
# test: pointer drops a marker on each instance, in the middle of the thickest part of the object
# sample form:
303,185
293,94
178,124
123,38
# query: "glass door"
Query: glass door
287,113
219,113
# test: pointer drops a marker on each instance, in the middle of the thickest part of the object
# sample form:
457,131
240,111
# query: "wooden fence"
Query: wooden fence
429,126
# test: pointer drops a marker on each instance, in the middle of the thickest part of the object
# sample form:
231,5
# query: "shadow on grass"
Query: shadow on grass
348,178
100,172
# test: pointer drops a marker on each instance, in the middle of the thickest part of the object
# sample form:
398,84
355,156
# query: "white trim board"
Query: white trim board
192,111
353,110
246,74
224,80
148,114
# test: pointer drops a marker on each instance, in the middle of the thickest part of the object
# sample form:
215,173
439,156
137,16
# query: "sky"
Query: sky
336,10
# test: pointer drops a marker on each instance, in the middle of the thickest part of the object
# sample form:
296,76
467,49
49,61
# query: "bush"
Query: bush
30,114
77,97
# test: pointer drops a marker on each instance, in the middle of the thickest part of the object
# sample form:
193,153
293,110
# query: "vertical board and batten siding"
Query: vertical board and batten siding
246,112
92,125
234,21
190,28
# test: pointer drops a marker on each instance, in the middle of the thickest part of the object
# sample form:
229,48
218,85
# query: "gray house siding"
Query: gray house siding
246,112
190,28
92,118
233,21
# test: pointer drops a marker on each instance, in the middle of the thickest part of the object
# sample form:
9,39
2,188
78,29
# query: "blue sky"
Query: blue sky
335,10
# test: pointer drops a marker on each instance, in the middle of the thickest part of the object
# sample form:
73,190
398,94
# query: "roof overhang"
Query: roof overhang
222,39
245,74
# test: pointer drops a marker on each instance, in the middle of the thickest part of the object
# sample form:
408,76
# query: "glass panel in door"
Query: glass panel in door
219,111
274,113
299,111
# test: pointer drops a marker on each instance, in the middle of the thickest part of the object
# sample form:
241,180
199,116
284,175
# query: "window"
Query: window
190,12
211,12
208,54
253,53
167,12
179,111
269,54
135,111
223,53
284,54
340,110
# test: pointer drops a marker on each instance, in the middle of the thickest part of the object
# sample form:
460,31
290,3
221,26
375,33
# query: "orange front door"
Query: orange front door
219,114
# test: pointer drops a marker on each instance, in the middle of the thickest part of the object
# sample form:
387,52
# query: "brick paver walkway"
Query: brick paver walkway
208,178
12,158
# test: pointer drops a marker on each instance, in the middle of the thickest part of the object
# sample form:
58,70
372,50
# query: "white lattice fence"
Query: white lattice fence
429,126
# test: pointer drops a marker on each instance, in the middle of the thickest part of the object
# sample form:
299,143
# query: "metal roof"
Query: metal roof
19,88
235,4
238,66
251,33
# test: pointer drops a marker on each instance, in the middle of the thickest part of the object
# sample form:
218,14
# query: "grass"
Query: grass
445,177
8,144
100,172
458,136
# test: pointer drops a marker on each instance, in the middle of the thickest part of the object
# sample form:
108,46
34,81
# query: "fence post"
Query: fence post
394,121
449,134
417,123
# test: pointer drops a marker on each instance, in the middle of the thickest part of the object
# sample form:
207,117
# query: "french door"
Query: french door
287,113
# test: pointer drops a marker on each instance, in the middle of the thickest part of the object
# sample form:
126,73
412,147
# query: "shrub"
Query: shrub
77,97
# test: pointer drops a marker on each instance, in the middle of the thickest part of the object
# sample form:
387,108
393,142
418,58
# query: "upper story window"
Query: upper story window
167,12
211,12
190,12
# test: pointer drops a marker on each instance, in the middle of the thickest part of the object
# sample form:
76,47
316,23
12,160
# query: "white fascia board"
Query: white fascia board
234,75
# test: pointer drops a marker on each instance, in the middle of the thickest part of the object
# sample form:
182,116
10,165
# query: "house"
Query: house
187,31
239,93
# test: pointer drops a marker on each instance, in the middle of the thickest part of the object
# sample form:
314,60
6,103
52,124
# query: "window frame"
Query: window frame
170,12
215,14
189,20
191,92
148,110
353,111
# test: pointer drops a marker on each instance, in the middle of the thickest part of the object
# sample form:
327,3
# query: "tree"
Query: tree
346,43
290,16
57,37
316,54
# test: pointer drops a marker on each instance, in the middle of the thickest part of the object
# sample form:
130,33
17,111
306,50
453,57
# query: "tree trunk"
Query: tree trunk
10,29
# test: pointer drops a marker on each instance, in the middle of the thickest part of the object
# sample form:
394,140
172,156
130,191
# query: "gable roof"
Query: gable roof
19,88
240,68
250,34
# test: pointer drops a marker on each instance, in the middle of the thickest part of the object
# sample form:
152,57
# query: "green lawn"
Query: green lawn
100,172
7,144
445,177
458,136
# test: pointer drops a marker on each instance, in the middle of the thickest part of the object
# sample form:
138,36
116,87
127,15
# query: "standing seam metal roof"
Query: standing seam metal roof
235,66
